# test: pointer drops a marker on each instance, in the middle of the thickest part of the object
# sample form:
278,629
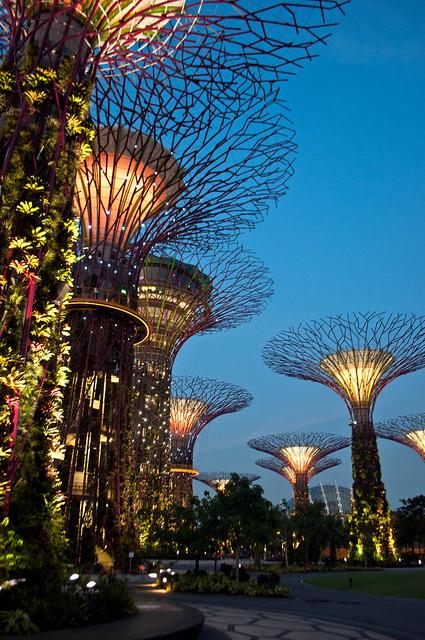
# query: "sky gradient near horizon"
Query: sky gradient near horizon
349,236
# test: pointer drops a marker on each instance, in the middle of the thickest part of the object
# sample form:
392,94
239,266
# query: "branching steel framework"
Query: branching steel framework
407,430
299,456
195,403
181,297
53,53
356,355
218,480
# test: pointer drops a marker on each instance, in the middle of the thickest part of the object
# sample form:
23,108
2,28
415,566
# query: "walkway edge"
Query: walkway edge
179,622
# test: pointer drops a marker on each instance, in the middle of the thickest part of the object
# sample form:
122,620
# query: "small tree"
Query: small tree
337,535
246,518
190,527
309,525
409,522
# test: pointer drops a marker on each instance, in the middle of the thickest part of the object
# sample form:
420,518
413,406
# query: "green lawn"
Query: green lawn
401,583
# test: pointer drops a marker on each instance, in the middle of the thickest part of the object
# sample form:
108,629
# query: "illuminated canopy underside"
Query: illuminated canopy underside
357,372
218,480
417,439
291,475
184,415
299,459
128,180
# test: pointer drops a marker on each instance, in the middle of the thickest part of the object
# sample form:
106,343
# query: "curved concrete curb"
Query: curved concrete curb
155,622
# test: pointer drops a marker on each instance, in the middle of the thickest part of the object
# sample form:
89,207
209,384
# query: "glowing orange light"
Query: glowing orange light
300,458
184,469
417,438
357,372
184,414
143,330
116,196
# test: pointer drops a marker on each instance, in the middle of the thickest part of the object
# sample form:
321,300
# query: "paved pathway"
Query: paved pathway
399,618
240,624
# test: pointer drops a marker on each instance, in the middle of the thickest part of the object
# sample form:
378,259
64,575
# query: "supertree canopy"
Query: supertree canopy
408,430
299,456
53,54
195,403
180,298
298,482
218,480
140,33
162,160
357,356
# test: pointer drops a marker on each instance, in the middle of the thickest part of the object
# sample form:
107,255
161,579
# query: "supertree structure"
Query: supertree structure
193,295
53,54
133,193
195,403
407,430
218,480
298,482
356,355
298,457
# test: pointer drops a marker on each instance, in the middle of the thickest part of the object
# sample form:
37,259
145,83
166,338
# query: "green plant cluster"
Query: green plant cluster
219,583
371,536
24,610
38,230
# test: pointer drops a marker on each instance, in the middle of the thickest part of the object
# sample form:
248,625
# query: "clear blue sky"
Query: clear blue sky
348,236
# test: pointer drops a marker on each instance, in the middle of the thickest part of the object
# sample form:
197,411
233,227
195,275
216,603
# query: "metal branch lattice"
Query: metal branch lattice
300,451
195,403
407,430
53,53
356,355
191,155
218,480
140,34
287,470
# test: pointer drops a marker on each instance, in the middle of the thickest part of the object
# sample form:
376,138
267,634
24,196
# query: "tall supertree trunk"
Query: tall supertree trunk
149,473
96,406
371,533
301,497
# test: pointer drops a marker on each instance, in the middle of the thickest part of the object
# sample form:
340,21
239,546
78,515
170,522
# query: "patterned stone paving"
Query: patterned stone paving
240,624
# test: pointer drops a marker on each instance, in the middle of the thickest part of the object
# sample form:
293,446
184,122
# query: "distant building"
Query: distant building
337,499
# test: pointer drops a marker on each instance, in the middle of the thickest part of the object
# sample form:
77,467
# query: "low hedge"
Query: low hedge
22,610
218,583
278,569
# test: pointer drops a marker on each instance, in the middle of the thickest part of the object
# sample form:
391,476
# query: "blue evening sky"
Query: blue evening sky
349,236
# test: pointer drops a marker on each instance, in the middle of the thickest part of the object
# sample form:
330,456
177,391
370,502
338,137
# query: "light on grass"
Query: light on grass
74,577
91,584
